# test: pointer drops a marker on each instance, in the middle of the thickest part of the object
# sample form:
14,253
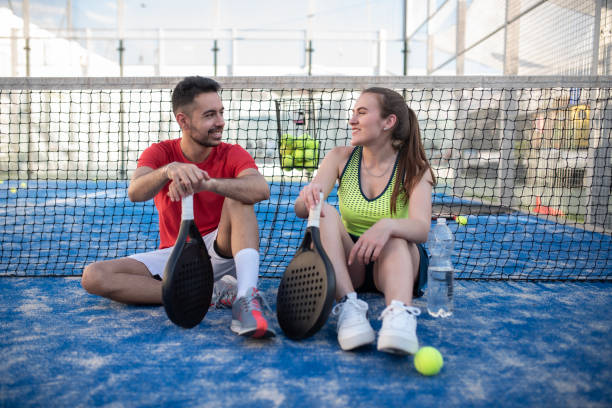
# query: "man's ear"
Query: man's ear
182,119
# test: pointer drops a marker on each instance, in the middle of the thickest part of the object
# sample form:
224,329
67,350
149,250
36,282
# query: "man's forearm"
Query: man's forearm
247,189
146,184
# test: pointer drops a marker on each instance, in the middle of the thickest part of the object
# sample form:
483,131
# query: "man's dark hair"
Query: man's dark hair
190,87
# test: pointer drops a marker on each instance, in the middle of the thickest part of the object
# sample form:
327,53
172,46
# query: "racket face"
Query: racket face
188,280
306,293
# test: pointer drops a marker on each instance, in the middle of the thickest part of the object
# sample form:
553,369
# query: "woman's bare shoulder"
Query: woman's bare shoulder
341,152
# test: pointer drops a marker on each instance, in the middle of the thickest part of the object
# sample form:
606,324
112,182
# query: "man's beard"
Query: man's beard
207,143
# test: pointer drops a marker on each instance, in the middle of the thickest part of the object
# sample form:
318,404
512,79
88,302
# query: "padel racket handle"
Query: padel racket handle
187,211
315,213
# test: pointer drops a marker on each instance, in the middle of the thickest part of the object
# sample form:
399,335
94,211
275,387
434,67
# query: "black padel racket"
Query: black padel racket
307,289
188,276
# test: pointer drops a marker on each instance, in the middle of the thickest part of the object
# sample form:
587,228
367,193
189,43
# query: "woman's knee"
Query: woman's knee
397,249
398,244
398,255
331,218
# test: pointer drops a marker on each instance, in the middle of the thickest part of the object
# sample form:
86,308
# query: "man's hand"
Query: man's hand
186,179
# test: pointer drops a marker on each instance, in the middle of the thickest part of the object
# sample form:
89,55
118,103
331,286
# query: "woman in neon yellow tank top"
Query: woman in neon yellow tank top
375,241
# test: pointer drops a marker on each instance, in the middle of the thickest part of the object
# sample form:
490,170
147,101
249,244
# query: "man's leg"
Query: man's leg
124,280
238,235
238,228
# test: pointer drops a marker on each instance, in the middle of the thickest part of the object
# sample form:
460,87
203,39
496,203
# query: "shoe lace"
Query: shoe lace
395,309
350,308
224,294
254,300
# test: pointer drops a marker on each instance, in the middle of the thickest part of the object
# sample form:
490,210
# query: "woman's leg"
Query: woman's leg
338,244
354,329
396,270
395,274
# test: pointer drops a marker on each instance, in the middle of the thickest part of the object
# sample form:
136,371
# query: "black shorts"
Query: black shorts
369,286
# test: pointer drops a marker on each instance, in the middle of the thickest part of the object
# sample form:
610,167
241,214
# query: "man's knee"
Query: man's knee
237,206
93,278
235,212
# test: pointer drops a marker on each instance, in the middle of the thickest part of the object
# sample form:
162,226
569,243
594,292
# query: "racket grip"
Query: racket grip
315,213
187,210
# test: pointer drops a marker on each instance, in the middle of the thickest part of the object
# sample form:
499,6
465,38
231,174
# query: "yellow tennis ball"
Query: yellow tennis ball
24,185
428,361
1,181
309,154
287,162
13,190
461,220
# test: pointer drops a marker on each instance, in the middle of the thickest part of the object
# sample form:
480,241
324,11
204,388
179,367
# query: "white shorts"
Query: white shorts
155,261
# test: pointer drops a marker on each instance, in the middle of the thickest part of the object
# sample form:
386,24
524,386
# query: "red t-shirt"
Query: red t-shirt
224,161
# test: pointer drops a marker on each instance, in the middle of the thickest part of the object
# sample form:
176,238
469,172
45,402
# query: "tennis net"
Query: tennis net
524,160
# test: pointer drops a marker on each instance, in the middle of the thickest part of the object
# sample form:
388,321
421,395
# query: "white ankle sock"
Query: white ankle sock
351,295
247,270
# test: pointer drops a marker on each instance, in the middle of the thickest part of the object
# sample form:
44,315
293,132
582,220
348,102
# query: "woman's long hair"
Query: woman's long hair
406,139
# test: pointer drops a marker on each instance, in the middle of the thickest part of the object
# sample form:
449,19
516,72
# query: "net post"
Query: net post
598,173
506,169
122,172
596,35
30,148
456,163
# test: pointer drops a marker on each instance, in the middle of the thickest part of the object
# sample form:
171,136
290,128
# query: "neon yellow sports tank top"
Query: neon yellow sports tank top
358,212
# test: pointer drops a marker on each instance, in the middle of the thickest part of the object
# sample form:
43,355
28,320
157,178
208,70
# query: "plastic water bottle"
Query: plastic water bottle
441,245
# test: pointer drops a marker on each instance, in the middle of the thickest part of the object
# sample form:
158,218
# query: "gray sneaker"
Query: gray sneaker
224,292
247,317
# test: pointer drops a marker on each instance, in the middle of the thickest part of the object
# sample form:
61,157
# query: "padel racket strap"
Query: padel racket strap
187,208
315,213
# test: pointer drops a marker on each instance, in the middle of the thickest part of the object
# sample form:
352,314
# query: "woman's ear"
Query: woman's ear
390,122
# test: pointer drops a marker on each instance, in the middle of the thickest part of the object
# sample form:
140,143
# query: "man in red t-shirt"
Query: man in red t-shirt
225,184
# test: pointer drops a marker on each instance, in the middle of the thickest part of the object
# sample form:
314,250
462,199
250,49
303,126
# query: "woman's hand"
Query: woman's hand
370,244
310,196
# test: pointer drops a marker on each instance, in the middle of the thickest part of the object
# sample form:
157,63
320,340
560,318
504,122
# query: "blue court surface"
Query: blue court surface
522,342
509,344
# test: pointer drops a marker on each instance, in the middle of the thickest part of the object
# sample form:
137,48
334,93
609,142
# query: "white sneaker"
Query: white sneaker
398,332
354,329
